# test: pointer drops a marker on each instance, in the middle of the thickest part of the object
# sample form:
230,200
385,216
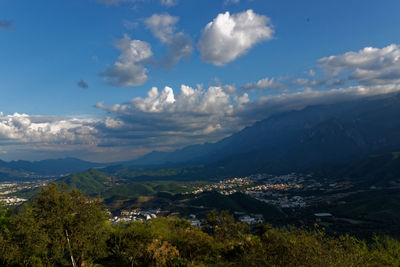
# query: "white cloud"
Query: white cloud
367,66
189,100
230,36
164,118
38,129
128,70
155,101
179,45
263,85
162,26
227,2
169,3
113,123
229,89
311,73
242,100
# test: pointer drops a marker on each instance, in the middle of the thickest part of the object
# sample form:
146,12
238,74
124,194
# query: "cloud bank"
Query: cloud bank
263,85
50,130
368,66
166,118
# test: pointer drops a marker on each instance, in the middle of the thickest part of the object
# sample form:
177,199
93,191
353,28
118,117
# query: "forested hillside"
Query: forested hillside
62,228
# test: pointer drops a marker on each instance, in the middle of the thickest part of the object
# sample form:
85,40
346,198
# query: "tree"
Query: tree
223,226
59,226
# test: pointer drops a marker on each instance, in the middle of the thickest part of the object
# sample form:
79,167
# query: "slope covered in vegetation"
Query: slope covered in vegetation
62,226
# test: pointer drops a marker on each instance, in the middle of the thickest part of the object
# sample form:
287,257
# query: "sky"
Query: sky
111,80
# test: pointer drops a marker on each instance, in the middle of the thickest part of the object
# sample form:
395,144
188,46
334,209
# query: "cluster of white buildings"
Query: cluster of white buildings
194,221
12,201
286,202
252,219
7,188
271,189
135,215
225,187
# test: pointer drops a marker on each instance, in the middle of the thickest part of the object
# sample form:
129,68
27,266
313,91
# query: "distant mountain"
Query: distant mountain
275,134
97,183
22,168
92,182
297,140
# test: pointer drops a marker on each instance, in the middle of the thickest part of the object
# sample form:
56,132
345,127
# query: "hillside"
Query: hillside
92,182
237,202
375,170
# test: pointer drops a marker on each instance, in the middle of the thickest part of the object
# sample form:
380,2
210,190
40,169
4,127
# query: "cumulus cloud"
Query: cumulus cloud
230,36
164,118
129,69
242,100
188,101
82,84
179,45
263,85
39,129
367,66
169,3
112,123
5,24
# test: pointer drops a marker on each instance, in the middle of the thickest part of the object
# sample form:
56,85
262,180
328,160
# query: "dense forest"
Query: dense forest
62,227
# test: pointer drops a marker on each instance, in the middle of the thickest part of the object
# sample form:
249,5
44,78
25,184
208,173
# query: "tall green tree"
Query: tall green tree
58,228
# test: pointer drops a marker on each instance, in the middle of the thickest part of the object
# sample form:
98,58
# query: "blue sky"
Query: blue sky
75,75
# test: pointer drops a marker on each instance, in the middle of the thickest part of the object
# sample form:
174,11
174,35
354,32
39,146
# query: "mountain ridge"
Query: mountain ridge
296,140
48,167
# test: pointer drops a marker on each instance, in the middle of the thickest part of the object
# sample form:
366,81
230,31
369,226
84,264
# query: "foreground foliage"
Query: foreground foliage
63,227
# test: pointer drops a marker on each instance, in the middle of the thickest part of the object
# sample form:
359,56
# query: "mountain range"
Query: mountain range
298,140
50,167
320,135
